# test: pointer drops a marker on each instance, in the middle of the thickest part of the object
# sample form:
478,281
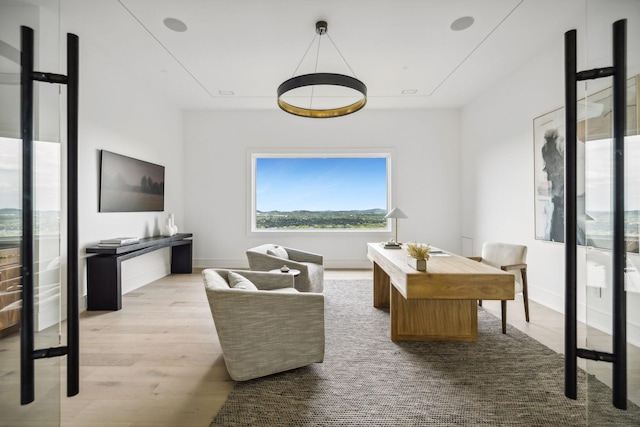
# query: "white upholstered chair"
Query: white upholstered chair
513,259
269,257
263,323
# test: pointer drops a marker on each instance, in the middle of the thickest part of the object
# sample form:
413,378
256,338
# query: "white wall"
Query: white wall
497,168
497,160
121,114
425,180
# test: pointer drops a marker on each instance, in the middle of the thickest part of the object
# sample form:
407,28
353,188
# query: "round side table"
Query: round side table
291,271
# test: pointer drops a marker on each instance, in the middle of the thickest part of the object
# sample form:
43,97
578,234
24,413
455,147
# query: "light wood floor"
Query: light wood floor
157,361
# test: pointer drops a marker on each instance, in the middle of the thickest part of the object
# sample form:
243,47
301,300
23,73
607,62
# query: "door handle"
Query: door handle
28,354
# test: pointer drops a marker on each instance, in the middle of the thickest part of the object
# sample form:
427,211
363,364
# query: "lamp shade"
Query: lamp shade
396,213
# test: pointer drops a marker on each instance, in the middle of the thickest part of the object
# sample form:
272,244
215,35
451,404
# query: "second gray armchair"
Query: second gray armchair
270,257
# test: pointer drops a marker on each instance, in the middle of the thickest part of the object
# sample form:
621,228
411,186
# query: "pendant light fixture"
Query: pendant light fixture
311,82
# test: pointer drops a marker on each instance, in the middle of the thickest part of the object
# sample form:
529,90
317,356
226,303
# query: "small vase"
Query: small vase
170,229
418,264
174,227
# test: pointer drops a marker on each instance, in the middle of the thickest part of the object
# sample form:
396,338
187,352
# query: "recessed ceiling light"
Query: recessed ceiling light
226,92
409,91
462,23
175,25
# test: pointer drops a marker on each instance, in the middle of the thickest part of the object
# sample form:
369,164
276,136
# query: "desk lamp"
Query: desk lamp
395,214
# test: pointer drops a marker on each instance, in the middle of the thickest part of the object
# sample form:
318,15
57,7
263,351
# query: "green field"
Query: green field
45,223
366,219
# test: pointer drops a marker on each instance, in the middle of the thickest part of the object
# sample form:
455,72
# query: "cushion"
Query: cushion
278,251
213,280
237,281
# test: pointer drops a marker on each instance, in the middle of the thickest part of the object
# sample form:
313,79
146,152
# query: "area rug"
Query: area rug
368,380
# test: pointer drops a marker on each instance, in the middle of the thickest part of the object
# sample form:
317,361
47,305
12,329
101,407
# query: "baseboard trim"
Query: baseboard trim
340,264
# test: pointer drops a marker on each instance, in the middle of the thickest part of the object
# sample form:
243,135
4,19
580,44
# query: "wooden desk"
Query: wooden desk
439,304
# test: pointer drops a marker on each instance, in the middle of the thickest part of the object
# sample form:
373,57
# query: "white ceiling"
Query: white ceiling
249,47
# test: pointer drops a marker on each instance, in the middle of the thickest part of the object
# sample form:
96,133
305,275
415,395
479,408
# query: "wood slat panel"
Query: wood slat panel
10,290
433,320
9,256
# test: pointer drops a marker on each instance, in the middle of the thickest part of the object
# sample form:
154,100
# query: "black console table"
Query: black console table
104,281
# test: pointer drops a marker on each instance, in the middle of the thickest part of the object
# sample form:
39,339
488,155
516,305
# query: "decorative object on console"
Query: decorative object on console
355,88
119,241
395,214
419,254
170,228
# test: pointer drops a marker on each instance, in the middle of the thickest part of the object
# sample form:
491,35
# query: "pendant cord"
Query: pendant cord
318,55
304,56
341,56
315,70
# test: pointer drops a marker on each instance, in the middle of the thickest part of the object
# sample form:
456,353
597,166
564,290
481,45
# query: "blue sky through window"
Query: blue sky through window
319,184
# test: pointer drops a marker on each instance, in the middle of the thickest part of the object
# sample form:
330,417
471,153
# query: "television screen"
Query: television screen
130,185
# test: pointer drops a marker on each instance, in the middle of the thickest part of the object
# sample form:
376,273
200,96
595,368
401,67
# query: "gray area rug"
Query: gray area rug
366,379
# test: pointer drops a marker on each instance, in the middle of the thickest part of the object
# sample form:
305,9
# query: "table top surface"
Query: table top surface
448,276
143,243
293,271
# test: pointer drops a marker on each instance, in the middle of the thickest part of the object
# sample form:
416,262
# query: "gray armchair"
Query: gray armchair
266,328
269,257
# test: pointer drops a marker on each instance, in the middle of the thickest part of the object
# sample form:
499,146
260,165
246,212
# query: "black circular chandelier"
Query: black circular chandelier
322,79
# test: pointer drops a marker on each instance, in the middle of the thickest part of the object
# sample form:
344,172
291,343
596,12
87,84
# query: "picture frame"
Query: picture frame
593,127
130,185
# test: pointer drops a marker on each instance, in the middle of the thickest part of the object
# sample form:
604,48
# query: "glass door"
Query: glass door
43,17
596,135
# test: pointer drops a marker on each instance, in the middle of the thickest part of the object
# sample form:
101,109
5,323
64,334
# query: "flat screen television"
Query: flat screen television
130,185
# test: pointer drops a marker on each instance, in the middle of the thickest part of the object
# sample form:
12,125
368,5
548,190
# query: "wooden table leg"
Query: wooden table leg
381,284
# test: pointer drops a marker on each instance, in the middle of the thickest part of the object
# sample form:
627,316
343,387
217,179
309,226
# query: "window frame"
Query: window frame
254,154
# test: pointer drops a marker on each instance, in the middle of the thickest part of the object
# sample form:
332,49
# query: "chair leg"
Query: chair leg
503,305
480,302
525,293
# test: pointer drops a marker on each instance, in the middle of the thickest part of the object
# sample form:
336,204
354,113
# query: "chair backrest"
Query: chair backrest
214,279
266,249
499,254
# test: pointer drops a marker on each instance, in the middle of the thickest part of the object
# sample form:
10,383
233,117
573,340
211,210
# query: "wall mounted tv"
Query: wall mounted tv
130,185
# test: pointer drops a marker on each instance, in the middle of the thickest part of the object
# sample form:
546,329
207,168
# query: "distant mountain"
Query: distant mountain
363,211
10,211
